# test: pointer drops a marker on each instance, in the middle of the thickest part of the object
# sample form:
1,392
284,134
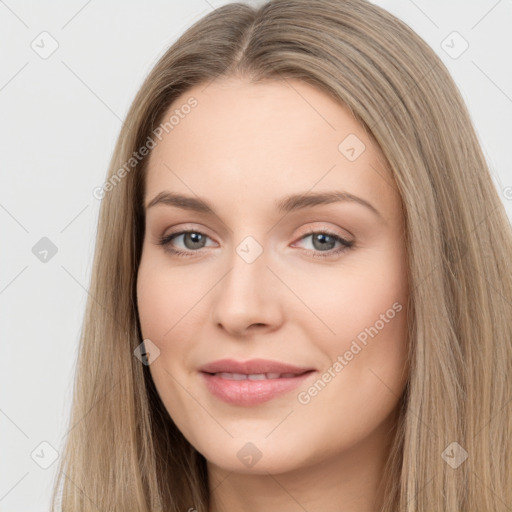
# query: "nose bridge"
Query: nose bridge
246,295
248,265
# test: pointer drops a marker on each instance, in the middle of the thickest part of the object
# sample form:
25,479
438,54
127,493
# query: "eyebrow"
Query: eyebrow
285,205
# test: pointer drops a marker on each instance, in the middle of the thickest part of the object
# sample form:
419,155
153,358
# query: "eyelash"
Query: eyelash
346,244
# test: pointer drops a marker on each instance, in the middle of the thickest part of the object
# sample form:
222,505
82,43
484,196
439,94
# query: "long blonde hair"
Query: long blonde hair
123,451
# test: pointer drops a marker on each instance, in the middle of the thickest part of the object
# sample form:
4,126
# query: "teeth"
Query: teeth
254,376
257,376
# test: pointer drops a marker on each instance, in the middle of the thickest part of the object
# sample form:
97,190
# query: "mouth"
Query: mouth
252,382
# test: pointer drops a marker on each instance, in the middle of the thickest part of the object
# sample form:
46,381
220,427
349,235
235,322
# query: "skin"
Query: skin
244,146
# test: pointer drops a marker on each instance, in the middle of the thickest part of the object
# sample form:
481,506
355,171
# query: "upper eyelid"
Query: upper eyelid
185,230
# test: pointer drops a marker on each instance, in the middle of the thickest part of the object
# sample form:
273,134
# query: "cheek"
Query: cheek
166,319
364,307
153,305
347,301
366,368
378,352
165,299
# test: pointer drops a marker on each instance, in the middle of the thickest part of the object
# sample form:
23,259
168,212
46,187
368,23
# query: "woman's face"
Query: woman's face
273,270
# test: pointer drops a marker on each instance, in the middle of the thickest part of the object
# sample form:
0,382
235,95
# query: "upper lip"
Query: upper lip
251,367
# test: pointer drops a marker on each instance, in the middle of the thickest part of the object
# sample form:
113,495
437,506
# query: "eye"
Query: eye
322,241
193,240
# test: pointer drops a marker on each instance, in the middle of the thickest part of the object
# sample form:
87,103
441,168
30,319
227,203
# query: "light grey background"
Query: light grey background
60,116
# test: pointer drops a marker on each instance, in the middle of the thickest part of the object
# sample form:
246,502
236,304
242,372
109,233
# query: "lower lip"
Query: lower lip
251,392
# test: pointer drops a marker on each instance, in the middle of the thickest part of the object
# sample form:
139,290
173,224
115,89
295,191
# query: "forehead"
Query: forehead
256,142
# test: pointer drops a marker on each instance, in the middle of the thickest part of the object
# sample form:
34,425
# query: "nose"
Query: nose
248,298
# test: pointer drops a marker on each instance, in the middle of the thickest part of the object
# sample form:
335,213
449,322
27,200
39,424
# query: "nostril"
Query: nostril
254,325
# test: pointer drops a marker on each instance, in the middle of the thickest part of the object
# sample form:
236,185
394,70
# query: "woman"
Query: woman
227,360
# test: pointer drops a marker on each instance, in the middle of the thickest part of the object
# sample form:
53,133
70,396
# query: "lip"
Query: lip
253,366
252,392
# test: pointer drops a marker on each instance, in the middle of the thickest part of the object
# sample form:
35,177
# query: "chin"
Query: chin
258,457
